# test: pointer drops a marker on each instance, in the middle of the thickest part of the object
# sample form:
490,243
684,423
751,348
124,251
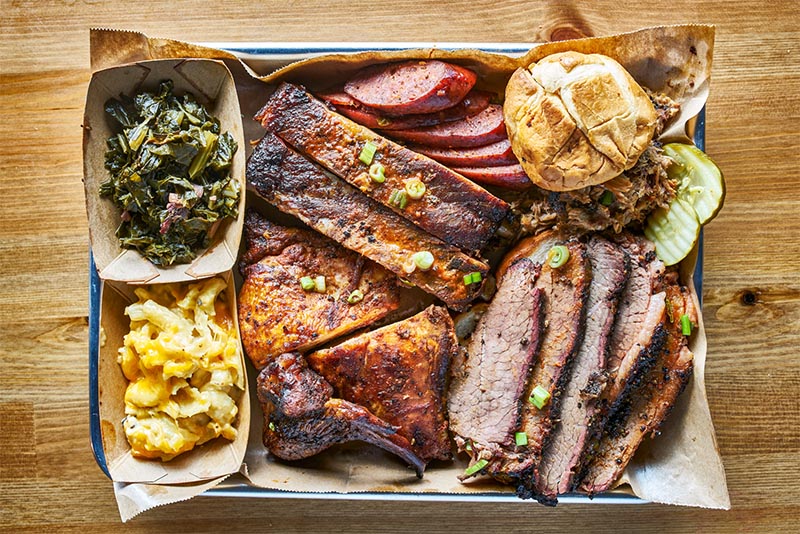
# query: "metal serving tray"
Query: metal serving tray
237,485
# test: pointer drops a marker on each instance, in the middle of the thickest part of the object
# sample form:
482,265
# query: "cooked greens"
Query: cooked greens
170,174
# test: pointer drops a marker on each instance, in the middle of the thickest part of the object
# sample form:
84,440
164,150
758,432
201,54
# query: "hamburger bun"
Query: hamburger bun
576,120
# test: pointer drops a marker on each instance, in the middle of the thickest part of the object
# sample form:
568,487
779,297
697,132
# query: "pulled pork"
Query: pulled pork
615,204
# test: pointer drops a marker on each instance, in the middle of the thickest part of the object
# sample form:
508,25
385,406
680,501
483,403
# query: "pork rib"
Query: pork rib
302,419
298,187
454,209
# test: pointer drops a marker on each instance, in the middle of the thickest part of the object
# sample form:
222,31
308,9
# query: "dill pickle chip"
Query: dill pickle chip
674,231
700,181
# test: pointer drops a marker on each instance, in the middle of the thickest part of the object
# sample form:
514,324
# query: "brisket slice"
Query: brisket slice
647,407
298,187
579,402
565,290
454,209
398,373
486,394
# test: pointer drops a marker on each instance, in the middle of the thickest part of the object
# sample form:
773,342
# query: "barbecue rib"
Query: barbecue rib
302,419
398,373
610,267
298,187
453,208
646,408
276,315
486,393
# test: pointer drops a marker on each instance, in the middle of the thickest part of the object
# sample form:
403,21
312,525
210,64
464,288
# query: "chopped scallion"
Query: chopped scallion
307,283
423,260
398,198
383,121
367,153
557,256
477,466
472,278
539,397
415,188
521,438
686,325
356,296
319,284
607,198
376,173
272,426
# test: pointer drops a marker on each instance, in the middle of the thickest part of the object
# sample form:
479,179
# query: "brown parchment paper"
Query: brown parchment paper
682,466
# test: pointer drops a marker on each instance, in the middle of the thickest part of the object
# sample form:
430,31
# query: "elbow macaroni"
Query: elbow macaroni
183,362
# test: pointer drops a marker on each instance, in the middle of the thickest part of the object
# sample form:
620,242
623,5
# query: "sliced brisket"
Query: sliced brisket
487,393
579,402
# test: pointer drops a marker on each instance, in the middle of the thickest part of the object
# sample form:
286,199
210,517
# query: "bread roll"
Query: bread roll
576,120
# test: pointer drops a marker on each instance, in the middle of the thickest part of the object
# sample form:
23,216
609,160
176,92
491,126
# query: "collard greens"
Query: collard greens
170,174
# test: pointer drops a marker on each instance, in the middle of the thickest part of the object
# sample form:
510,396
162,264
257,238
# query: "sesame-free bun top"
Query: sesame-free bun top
576,120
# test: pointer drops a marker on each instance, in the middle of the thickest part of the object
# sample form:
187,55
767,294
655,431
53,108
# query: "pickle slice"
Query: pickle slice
674,231
700,181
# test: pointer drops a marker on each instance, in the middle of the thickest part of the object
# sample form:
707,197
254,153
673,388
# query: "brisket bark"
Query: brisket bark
298,187
610,268
487,393
453,208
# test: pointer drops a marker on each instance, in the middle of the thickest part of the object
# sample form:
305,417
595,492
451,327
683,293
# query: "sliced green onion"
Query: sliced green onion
477,466
383,121
468,446
272,426
356,296
607,198
398,198
376,172
319,284
539,397
415,188
686,325
367,153
423,259
521,438
557,256
405,282
472,278
307,283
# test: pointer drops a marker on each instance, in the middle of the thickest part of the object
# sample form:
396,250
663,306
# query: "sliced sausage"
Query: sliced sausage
416,86
493,155
475,102
507,176
482,129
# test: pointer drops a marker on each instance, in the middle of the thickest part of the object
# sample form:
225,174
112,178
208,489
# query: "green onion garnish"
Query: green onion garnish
398,198
355,296
557,256
686,325
606,198
521,438
376,172
383,121
477,466
307,283
272,426
319,284
539,397
367,153
415,188
423,260
472,278
468,446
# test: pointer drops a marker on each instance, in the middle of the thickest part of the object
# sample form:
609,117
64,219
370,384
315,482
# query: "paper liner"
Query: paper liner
682,465
133,499
211,460
212,85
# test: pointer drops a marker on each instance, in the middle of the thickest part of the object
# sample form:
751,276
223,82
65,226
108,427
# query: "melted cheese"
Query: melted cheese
183,363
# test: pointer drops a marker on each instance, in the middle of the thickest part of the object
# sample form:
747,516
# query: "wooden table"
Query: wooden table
49,479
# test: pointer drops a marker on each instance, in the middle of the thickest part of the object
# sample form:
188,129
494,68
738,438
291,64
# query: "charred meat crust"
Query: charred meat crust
454,209
275,313
297,186
398,373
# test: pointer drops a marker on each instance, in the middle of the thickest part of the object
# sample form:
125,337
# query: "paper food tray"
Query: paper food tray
266,57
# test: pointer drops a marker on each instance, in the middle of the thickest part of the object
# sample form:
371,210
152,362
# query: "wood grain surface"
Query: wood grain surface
48,477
